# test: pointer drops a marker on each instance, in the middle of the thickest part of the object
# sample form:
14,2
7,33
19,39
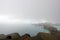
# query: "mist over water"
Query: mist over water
24,11
22,29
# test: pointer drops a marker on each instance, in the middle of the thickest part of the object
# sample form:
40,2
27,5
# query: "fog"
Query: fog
27,12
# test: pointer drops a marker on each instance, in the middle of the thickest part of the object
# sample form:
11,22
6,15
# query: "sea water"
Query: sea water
24,28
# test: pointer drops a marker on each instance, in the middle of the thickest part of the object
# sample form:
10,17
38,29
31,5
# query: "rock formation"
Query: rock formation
51,28
39,36
47,36
13,36
2,36
26,37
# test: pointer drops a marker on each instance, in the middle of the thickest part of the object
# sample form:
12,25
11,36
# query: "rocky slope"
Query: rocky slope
39,36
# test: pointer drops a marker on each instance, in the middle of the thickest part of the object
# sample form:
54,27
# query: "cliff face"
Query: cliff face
39,36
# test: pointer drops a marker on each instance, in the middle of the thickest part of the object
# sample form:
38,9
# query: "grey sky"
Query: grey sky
19,11
32,9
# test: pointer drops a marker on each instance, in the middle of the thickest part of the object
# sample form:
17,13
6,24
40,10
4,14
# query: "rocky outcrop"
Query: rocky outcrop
13,36
47,36
50,28
26,37
2,36
39,36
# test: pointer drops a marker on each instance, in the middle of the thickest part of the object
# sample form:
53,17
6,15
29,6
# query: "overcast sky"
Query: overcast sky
48,10
27,11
